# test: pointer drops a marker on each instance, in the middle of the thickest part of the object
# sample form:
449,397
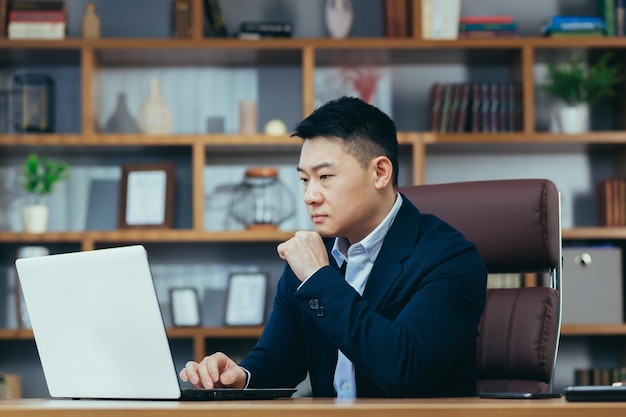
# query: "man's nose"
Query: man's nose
311,194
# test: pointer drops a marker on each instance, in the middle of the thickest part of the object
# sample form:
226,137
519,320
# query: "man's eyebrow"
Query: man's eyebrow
317,167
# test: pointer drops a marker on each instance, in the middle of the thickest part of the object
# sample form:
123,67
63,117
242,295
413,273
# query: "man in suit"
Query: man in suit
402,320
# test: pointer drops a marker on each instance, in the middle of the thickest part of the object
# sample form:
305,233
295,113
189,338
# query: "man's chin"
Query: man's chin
323,232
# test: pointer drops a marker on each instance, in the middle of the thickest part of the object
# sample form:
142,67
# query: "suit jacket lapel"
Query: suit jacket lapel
397,246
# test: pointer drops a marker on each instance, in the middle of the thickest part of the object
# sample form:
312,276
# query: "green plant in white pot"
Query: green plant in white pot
580,87
39,177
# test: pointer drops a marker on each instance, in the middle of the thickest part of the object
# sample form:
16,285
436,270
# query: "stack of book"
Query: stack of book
611,202
37,20
476,107
567,26
482,27
258,30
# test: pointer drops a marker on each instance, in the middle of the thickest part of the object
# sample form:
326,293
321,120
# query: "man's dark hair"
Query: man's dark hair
366,131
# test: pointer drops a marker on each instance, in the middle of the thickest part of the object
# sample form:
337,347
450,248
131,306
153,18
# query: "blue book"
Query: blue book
487,26
567,23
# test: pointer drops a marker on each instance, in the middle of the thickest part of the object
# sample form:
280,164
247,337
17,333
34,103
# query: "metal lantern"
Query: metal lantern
261,200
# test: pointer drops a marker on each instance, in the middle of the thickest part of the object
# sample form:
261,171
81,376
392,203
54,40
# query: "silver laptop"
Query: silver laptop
99,331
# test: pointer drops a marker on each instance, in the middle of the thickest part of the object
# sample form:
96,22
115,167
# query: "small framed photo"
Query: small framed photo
147,195
245,299
185,306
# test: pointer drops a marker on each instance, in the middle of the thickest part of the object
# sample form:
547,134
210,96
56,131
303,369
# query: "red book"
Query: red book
36,16
486,19
487,34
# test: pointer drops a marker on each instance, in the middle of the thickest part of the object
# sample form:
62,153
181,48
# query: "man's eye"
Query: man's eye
324,177
304,180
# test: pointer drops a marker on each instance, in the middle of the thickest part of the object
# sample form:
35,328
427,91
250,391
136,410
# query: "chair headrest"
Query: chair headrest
515,224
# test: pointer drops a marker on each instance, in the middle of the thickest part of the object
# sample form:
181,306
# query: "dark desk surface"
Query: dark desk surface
307,407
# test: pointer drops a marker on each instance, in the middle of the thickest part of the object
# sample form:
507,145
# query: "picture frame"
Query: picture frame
185,307
146,197
34,96
246,297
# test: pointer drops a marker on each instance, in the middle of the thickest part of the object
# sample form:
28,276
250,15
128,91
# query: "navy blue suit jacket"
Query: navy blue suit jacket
412,333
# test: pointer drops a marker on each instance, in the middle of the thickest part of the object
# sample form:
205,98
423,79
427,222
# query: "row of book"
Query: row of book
34,19
476,107
484,27
516,280
568,26
611,202
599,376
613,13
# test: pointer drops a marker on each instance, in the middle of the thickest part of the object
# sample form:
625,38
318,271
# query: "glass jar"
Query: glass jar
261,200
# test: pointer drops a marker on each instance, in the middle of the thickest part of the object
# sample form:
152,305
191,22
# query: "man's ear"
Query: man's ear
382,169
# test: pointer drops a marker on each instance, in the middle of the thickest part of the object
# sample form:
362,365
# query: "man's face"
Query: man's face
338,191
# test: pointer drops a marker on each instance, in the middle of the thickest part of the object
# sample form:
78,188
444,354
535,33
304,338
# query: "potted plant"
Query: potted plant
580,88
39,176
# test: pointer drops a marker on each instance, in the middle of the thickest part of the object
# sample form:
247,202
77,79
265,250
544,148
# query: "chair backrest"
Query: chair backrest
515,224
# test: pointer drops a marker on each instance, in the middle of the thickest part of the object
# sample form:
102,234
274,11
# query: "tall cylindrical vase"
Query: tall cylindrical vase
154,116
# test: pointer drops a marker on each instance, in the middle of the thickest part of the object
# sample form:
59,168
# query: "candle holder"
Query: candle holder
261,201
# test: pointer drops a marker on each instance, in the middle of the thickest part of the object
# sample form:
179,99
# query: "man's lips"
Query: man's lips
317,218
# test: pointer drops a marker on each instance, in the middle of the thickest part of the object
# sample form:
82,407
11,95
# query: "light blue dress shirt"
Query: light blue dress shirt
360,257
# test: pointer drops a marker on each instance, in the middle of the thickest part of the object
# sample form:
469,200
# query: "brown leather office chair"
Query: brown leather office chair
515,225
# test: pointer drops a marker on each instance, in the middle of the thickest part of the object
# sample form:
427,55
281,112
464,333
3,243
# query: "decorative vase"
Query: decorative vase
339,18
121,120
35,218
571,119
91,23
154,116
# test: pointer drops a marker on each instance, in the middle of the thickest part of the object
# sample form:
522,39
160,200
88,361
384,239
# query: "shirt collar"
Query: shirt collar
371,243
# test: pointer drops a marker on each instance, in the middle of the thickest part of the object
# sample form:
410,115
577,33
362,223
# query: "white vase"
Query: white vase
571,119
35,218
339,18
154,116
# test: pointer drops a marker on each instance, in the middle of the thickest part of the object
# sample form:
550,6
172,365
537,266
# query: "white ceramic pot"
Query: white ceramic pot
572,119
35,218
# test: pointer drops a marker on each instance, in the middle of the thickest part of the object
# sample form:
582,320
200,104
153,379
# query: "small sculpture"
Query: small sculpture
338,18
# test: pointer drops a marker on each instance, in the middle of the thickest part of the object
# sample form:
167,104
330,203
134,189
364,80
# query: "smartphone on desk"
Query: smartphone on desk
519,395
